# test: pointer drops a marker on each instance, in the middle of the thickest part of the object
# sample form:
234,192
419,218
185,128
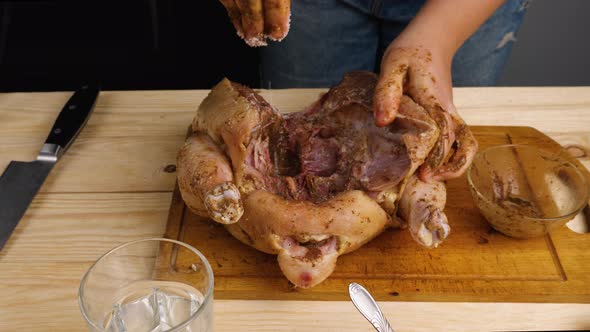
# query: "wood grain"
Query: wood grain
109,164
403,316
132,135
83,216
59,238
474,264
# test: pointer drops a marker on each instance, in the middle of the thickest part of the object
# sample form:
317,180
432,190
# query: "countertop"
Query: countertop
115,183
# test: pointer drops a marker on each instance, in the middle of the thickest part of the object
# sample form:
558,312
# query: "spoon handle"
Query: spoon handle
367,306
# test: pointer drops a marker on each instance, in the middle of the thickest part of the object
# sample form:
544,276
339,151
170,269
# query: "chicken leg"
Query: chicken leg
205,179
421,207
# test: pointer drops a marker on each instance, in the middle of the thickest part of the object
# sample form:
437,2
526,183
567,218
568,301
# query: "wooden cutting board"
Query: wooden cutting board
474,264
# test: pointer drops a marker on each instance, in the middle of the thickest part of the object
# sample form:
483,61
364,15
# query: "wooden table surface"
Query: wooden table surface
114,185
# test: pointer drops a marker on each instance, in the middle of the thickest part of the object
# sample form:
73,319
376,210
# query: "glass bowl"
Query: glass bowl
525,192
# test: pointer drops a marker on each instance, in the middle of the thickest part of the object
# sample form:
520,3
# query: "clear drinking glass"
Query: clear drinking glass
135,288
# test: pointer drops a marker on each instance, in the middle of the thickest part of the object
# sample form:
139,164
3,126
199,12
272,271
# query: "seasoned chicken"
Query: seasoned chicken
313,185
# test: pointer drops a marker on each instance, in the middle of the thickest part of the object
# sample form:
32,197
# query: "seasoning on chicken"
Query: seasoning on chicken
313,185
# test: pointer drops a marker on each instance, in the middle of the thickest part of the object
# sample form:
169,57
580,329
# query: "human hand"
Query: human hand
424,74
415,71
418,64
256,20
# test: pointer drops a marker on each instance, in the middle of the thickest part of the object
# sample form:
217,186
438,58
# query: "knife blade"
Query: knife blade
21,181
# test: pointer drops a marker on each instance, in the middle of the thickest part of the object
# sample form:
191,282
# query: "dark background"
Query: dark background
125,44
553,46
188,44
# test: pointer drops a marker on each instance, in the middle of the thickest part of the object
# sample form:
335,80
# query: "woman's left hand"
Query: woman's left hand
416,71
418,64
424,74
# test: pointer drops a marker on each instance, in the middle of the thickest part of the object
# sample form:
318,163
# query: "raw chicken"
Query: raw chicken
313,185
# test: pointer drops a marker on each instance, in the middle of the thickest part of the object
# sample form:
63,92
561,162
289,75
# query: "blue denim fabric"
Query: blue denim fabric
331,37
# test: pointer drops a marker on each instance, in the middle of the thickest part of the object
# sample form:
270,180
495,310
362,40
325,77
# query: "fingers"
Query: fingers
413,72
234,15
389,90
276,18
436,98
463,155
252,19
442,147
255,20
444,162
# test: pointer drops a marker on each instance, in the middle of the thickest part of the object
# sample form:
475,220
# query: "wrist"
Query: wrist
440,48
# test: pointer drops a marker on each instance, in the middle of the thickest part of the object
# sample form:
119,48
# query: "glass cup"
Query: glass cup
526,192
134,287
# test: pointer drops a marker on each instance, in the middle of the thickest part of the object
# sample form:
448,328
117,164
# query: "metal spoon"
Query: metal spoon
367,306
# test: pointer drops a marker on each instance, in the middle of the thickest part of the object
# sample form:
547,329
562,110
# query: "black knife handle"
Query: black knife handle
73,117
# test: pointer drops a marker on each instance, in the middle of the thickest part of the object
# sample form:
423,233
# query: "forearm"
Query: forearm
445,24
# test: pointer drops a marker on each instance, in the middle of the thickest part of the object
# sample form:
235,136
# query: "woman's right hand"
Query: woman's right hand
256,20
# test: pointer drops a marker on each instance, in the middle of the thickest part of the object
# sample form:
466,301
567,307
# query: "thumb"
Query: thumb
234,15
389,91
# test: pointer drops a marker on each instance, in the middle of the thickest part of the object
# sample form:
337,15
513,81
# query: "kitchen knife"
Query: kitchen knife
21,180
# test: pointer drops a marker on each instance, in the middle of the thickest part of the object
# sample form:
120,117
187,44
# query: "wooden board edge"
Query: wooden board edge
175,215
